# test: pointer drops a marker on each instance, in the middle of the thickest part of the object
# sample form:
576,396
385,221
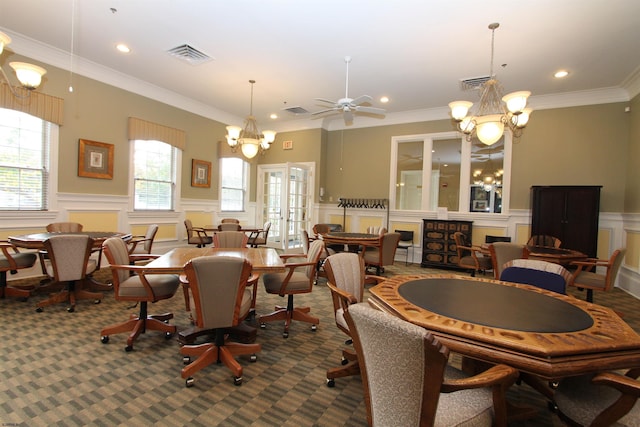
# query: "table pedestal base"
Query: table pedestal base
242,333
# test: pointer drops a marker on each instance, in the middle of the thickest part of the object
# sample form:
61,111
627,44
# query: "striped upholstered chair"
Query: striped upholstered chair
406,377
542,274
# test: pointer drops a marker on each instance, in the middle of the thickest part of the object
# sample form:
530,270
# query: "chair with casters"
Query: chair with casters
140,246
603,399
229,221
544,240
383,254
503,252
470,257
12,260
594,281
346,279
542,274
407,380
68,263
290,283
320,230
143,287
229,226
221,301
196,235
259,238
405,243
57,227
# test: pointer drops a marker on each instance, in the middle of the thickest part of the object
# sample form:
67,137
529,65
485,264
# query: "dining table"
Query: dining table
539,332
262,259
562,256
352,241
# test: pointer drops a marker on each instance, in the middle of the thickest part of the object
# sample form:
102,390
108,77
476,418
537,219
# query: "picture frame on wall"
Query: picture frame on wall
200,173
480,205
95,159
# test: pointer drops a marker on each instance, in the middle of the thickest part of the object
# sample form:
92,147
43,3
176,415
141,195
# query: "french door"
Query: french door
285,193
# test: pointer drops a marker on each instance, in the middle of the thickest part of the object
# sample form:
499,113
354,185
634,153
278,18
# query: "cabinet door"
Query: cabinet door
580,227
548,211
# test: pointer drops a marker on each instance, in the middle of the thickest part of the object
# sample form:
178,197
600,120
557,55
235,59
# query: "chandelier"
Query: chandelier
494,111
249,138
30,76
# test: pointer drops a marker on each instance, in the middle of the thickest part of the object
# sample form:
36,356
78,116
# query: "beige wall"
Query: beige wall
632,193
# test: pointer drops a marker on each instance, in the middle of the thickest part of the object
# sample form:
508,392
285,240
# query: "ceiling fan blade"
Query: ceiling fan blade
323,111
361,100
326,100
371,110
348,116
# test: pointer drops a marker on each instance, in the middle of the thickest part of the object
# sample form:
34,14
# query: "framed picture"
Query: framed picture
95,159
200,173
480,205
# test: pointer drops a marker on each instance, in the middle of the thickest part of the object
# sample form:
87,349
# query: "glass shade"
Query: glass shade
30,75
522,119
233,132
516,101
459,109
466,125
4,40
264,144
489,128
250,147
269,136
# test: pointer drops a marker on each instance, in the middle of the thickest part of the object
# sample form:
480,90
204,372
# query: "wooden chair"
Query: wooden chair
383,254
197,236
230,221
603,399
542,274
593,281
407,381
221,301
68,263
503,252
346,279
470,257
142,287
544,240
12,260
141,245
291,283
56,227
260,238
229,226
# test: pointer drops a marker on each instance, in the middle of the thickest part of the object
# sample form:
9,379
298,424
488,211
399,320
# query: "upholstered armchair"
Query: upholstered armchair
346,279
544,240
221,301
583,278
290,283
470,257
141,245
229,226
196,235
12,260
143,286
260,237
542,274
503,252
383,254
230,221
407,381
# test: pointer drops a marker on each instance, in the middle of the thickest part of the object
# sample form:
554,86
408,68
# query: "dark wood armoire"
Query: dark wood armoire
568,212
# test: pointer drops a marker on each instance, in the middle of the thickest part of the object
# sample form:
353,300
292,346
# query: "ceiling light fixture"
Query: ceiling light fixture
249,138
29,75
494,110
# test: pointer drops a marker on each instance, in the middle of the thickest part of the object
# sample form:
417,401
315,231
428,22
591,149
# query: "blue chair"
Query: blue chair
542,274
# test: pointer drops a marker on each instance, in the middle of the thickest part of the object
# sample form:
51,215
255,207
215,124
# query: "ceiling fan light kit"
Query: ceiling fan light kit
494,111
249,138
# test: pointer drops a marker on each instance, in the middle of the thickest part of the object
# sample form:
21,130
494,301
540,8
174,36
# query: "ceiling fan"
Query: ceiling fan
348,106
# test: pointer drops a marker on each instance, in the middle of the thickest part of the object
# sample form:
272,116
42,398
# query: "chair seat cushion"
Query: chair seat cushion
592,280
582,401
471,407
23,260
195,240
162,285
298,282
92,264
483,262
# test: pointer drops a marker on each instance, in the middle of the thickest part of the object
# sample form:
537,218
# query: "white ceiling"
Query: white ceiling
413,51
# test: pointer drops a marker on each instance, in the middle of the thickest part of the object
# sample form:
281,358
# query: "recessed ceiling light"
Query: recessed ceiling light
123,48
384,99
273,116
560,74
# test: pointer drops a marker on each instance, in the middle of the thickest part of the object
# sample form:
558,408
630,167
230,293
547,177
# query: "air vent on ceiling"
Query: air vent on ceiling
190,54
473,83
296,110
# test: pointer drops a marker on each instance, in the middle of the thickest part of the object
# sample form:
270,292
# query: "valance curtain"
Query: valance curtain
45,107
143,130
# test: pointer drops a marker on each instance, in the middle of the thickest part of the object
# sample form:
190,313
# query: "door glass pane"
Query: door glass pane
409,178
271,205
445,174
487,163
298,206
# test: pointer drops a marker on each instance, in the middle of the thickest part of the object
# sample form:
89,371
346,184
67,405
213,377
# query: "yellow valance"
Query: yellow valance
43,106
143,130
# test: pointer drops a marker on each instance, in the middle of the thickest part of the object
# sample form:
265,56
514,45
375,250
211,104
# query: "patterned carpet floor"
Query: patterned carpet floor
54,370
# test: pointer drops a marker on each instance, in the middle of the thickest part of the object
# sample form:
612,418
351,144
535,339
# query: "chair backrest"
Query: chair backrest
189,226
230,239
69,254
462,245
218,284
544,240
503,252
313,255
265,230
305,241
376,230
406,236
230,220
64,227
115,249
612,272
542,274
320,229
389,244
152,230
229,226
400,363
345,270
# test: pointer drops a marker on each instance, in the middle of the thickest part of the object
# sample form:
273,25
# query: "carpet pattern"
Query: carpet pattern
55,371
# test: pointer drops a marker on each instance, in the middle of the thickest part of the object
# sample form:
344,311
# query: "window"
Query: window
154,175
24,161
233,183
